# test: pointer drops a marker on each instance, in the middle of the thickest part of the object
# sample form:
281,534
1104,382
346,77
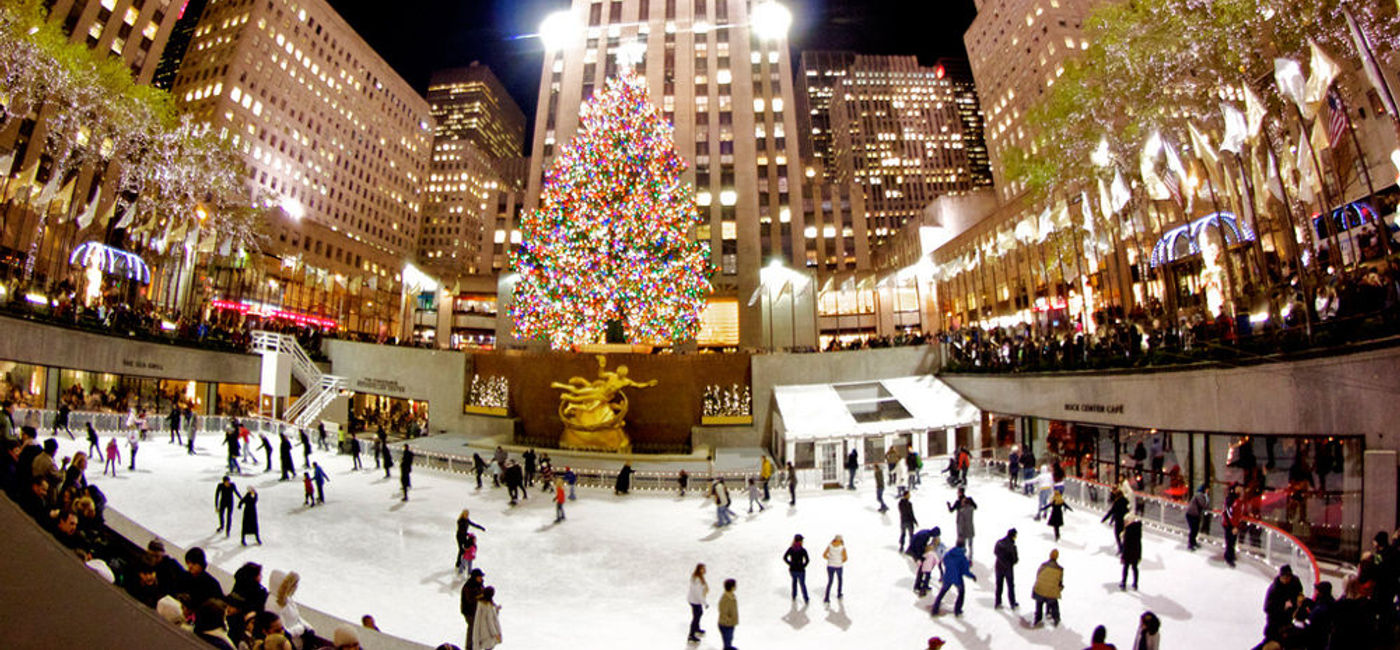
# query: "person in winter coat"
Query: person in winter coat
388,458
305,449
835,556
310,498
355,452
1099,639
1281,602
755,496
624,479
247,585
478,468
1044,486
796,559
1195,510
964,506
1049,582
289,466
1148,632
1117,510
792,484
956,566
1231,521
728,614
231,441
471,595
721,495
932,559
514,478
318,475
1005,551
406,471
249,504
765,472
699,590
114,457
571,480
226,496
559,498
133,442
284,588
1013,467
879,485
1057,509
907,520
465,538
486,626
852,465
93,443
1132,550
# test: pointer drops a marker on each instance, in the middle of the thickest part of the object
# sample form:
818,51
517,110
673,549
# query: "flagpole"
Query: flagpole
1292,240
1373,69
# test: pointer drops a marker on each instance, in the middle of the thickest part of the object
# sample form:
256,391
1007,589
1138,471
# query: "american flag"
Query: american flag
1337,117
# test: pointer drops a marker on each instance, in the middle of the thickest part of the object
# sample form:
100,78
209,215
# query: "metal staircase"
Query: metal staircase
321,389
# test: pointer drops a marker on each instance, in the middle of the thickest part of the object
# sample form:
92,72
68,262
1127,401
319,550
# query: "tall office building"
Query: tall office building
974,121
470,103
178,44
329,131
897,129
729,93
1017,50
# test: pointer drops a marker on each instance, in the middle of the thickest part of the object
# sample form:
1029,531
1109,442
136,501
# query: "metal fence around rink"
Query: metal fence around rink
1261,540
119,424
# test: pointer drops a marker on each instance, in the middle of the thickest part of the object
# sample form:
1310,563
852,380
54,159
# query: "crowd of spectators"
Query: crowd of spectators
1363,615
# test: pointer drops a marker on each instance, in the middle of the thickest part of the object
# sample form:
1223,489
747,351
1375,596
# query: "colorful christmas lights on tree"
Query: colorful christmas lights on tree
611,239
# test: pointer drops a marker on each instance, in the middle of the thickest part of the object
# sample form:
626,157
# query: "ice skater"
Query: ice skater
466,540
792,484
60,420
406,471
559,498
321,442
305,449
956,566
1197,508
1117,511
765,472
515,481
288,465
1049,582
570,479
310,498
695,597
907,520
93,443
173,421
249,504
624,479
266,447
114,458
683,481
728,614
964,506
226,495
231,440
721,495
1132,550
354,452
852,466
1044,485
388,458
133,442
835,556
879,485
478,468
1057,507
318,476
1005,551
932,559
796,559
755,496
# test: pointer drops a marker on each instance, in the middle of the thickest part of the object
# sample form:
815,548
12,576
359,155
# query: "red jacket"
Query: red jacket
559,494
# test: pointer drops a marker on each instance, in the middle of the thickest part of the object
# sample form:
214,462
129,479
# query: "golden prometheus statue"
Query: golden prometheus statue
593,412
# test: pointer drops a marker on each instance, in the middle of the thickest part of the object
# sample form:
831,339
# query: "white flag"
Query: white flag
1307,176
1236,131
1323,72
1254,112
1147,168
1086,212
1368,60
1120,192
1289,76
1201,143
1105,204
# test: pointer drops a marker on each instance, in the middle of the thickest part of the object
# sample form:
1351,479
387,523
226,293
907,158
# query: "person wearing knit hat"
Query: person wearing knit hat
344,638
170,609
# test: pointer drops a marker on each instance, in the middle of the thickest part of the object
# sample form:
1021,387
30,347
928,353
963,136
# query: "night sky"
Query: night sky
419,36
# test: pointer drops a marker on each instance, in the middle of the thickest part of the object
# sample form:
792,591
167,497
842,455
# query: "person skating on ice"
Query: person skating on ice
683,481
305,449
1057,508
289,466
1006,559
624,480
1117,511
571,480
355,452
559,498
879,485
696,598
249,504
266,447
796,559
720,493
835,556
765,473
486,626
231,443
755,496
478,468
226,495
963,507
321,441
1132,550
318,476
310,498
907,520
94,446
515,481
792,484
173,421
114,458
406,471
956,566
471,595
934,549
1049,582
728,614
465,537
852,465
1195,510
1148,633
133,442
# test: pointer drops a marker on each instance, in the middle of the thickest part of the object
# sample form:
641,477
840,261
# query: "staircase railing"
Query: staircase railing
321,388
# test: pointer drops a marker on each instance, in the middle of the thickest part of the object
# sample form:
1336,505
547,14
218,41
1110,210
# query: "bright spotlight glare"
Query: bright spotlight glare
770,20
556,30
293,208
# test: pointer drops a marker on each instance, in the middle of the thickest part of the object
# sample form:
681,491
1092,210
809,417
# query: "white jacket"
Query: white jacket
1044,482
698,590
486,627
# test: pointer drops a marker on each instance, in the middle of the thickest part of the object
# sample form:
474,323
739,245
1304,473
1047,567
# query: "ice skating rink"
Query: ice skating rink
615,574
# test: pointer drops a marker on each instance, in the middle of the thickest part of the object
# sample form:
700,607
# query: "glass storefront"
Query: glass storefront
238,399
22,384
398,416
1308,486
103,391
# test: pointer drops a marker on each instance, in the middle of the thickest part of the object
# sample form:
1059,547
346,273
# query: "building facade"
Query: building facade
470,103
729,93
333,136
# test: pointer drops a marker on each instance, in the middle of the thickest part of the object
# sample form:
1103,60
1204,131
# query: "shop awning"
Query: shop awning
885,406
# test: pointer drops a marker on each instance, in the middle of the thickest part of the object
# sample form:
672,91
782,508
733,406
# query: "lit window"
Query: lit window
722,76
728,197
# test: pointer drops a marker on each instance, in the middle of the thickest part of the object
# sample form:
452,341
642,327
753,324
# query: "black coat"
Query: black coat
1117,511
249,504
1132,543
514,476
624,479
288,465
796,558
1057,513
226,495
1005,550
201,587
906,512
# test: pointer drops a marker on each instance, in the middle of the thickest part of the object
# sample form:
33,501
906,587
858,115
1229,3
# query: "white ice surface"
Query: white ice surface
614,575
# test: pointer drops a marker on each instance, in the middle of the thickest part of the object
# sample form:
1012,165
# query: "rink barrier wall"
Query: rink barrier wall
1266,542
110,423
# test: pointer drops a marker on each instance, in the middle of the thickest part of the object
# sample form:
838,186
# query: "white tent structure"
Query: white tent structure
819,424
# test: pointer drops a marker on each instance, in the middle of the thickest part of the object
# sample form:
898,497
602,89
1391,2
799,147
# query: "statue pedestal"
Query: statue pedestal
610,440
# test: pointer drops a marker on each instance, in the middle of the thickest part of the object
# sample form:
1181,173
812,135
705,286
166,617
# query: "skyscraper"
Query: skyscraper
333,136
178,44
470,103
899,130
728,91
1016,49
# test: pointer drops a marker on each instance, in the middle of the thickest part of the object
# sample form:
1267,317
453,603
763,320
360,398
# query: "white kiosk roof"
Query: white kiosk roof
817,411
